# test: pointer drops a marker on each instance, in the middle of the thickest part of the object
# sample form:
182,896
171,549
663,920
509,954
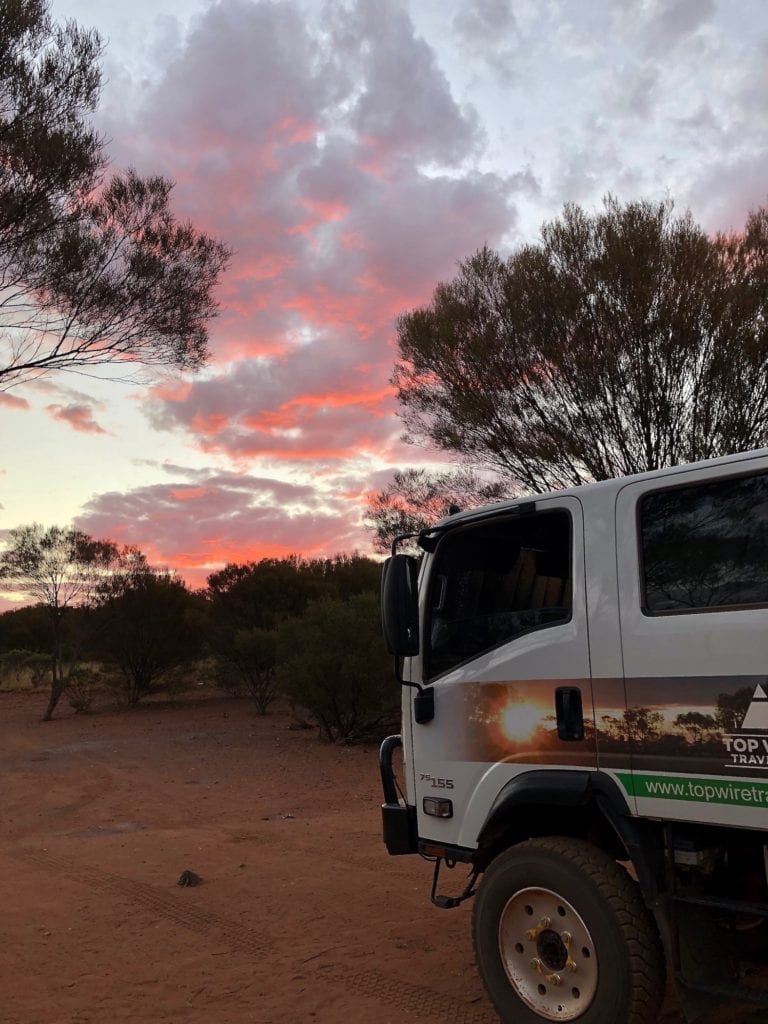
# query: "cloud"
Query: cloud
333,159
223,517
78,416
307,406
13,401
667,23
403,108
484,21
729,188
488,31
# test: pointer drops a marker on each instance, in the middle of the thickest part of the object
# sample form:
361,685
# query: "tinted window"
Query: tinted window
706,546
494,582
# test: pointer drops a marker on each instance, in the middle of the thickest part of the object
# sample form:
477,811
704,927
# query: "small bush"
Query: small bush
333,663
248,667
82,685
22,669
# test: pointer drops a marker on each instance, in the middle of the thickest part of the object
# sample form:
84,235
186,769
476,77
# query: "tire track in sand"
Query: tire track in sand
392,992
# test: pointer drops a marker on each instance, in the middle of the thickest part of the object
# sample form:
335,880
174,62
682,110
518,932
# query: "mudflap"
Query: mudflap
398,818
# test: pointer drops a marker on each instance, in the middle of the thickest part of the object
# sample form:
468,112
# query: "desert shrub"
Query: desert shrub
21,669
332,662
148,634
192,674
82,684
249,666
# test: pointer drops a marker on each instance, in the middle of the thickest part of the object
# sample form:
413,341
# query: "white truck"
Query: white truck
585,727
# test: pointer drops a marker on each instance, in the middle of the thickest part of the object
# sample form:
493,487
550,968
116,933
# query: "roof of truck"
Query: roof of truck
605,485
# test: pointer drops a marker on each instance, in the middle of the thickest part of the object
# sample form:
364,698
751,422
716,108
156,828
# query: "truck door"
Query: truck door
504,625
692,562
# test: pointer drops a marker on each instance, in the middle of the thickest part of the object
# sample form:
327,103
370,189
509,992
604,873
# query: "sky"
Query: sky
350,154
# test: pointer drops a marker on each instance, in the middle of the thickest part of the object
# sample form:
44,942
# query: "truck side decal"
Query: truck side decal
690,724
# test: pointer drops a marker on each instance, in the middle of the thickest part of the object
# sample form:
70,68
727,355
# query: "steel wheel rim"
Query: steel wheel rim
548,954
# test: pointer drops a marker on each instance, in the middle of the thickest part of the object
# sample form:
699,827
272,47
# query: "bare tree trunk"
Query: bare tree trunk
57,689
58,682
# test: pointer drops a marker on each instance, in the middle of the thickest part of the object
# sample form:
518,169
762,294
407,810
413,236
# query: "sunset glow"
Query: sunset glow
520,721
350,154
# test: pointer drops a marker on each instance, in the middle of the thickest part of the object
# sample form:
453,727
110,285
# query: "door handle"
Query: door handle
569,713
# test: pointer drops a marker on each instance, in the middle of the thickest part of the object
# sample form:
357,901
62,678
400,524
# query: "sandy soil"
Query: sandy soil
302,916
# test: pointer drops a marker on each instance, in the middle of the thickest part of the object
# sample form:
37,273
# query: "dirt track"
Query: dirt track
301,916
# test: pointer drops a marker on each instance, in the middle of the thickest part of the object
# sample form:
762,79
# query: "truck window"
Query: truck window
705,547
493,582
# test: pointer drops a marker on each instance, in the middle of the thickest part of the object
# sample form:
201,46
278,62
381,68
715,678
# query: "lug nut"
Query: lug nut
545,922
553,979
566,938
571,965
537,965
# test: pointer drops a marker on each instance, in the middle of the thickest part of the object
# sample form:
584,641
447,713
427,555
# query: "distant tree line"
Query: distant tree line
302,629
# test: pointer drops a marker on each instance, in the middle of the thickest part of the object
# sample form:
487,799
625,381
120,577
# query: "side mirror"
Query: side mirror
400,605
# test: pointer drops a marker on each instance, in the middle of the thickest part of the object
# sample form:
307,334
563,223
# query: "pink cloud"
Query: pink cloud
13,401
79,417
223,517
338,166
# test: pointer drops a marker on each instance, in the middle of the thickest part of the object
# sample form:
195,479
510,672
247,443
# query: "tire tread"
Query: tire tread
617,887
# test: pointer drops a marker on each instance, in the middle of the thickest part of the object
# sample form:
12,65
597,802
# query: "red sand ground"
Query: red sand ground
302,917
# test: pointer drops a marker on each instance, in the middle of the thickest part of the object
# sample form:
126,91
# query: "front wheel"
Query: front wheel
561,934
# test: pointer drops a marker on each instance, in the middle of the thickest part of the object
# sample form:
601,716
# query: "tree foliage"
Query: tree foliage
93,271
696,725
623,341
248,665
146,629
19,666
62,569
247,603
732,707
415,499
333,663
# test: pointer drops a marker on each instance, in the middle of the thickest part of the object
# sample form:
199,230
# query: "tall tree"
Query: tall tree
62,569
416,498
624,340
93,271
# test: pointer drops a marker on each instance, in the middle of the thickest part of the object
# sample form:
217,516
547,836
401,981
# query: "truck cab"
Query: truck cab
585,727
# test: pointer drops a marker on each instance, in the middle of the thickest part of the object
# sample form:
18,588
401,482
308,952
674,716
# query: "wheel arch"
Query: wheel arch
582,804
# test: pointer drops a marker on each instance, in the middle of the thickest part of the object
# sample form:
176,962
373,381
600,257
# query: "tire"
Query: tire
561,933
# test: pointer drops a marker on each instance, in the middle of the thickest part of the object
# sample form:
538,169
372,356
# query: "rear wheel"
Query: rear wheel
561,934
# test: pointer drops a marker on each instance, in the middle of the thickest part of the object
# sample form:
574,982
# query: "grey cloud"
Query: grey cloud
727,190
747,107
632,91
245,68
407,248
670,22
405,108
254,386
228,480
484,21
335,177
487,30
280,491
